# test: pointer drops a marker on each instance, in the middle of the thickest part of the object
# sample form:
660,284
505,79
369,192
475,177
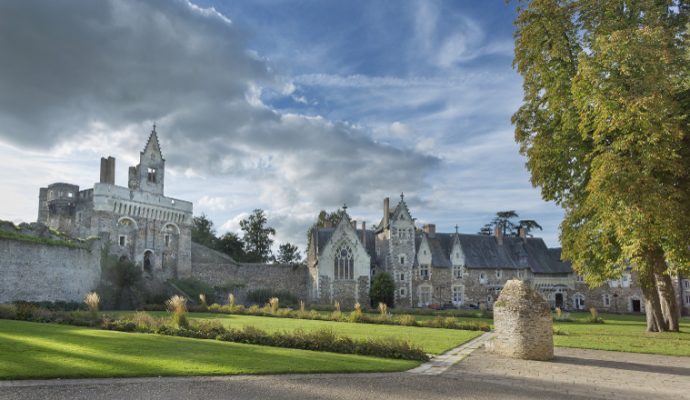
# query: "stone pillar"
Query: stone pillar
522,323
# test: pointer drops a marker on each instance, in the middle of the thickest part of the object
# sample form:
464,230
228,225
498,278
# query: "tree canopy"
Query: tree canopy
604,127
288,253
257,236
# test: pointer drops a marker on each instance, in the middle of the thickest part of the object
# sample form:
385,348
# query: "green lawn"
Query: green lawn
623,333
432,340
39,351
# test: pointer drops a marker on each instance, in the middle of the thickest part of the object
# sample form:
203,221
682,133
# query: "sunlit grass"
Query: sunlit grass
622,333
432,340
40,351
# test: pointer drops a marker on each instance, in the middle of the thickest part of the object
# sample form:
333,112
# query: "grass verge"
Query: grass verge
31,350
623,333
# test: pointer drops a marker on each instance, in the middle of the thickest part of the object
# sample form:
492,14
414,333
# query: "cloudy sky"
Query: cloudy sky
288,106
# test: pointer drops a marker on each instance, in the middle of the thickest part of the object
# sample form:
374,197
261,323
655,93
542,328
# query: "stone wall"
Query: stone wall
217,269
39,272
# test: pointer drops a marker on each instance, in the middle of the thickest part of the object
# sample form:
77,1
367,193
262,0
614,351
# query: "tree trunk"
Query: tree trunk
655,317
669,306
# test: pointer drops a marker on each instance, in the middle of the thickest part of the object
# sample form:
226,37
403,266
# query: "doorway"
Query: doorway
148,261
559,300
636,305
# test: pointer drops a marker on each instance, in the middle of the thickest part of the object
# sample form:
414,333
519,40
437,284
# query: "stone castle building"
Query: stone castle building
138,222
436,269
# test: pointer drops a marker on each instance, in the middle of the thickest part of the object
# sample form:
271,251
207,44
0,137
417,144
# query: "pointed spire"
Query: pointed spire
456,229
402,196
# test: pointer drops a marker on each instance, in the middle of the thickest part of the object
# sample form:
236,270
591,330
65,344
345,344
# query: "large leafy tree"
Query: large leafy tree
257,237
203,231
288,253
604,127
231,244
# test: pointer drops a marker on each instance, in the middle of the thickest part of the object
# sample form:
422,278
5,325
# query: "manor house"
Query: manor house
138,222
440,269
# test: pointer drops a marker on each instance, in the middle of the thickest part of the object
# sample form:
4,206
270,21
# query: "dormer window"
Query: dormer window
152,175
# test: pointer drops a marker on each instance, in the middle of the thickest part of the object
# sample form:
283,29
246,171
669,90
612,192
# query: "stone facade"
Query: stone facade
522,323
432,269
140,223
41,272
342,270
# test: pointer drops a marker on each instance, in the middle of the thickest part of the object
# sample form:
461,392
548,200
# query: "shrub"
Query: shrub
254,310
25,310
208,329
356,315
8,311
382,289
92,300
383,311
177,305
144,322
274,303
407,320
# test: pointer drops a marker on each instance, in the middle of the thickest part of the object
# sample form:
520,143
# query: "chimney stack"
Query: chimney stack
354,225
522,232
108,170
498,232
386,212
429,228
364,234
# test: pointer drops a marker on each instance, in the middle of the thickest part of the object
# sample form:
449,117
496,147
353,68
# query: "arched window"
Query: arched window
344,263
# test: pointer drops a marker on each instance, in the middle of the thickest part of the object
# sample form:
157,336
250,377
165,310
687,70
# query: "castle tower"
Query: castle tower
149,175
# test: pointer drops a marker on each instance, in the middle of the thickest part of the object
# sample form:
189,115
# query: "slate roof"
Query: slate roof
484,252
481,251
323,235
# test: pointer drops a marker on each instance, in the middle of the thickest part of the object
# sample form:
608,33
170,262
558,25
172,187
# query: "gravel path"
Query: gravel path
575,374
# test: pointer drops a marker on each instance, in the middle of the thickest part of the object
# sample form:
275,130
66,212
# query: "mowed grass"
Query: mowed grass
431,340
31,350
623,333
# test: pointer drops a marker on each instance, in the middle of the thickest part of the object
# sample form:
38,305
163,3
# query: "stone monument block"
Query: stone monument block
522,323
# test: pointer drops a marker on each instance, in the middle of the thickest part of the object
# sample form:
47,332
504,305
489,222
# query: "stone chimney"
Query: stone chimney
498,232
386,211
108,170
522,232
429,228
364,234
354,225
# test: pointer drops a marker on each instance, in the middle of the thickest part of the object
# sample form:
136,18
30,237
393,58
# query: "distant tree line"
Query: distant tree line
254,245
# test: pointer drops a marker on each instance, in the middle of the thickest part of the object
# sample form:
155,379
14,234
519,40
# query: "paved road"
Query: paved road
575,374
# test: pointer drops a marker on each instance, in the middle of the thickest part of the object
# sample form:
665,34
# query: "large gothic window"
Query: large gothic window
344,263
